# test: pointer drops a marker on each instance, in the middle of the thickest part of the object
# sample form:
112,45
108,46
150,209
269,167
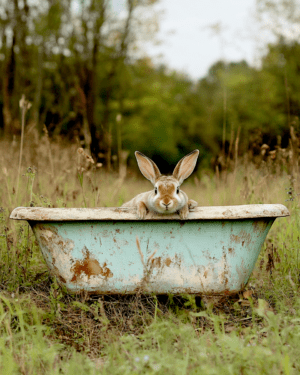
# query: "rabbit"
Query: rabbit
166,198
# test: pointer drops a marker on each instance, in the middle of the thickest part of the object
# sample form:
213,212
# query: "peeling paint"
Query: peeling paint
50,236
90,267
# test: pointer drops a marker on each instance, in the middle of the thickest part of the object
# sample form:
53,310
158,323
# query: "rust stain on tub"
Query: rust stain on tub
90,267
177,260
227,213
235,238
243,237
156,262
168,262
260,226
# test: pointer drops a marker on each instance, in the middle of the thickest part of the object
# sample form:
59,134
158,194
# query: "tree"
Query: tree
72,64
14,29
281,16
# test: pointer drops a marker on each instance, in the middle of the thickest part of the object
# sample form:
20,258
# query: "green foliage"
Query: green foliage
175,348
81,74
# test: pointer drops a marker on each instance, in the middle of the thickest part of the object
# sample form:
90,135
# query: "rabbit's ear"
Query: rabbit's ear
185,166
148,168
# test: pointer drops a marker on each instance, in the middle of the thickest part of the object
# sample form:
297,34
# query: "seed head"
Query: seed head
24,104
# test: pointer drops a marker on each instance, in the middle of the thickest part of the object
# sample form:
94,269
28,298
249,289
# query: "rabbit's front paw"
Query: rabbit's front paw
142,210
192,204
184,212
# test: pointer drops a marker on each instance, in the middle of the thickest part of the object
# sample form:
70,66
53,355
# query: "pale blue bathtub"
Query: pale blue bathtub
108,250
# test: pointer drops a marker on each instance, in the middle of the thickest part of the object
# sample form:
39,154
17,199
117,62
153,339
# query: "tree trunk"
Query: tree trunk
39,86
116,66
91,94
8,87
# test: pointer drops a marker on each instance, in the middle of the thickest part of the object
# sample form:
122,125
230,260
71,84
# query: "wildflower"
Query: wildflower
146,358
137,359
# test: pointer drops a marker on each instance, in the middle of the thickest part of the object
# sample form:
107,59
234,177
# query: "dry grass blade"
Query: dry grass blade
24,105
152,255
139,249
85,155
49,149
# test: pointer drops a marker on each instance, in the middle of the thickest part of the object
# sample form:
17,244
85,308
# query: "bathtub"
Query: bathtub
111,251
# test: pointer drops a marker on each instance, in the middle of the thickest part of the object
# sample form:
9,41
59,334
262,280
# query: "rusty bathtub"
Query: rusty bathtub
108,250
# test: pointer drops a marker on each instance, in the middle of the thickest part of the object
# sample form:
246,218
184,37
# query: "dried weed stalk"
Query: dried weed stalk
24,105
147,268
49,149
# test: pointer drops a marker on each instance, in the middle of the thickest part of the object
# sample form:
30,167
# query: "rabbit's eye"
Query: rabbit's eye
177,191
155,190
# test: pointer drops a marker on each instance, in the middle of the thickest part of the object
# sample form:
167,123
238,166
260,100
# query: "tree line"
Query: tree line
79,66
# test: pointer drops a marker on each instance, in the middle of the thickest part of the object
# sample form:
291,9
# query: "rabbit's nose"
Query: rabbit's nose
166,204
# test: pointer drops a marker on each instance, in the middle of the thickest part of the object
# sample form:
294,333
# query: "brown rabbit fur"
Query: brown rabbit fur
166,198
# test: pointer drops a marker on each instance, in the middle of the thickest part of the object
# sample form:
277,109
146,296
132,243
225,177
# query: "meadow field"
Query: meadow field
75,76
44,330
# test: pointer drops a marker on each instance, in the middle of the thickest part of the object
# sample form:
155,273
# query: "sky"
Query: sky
190,44
194,34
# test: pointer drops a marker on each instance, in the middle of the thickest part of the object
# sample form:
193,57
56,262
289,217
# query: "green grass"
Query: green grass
44,330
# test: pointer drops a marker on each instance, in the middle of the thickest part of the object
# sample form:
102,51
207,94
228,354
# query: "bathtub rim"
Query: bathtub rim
236,212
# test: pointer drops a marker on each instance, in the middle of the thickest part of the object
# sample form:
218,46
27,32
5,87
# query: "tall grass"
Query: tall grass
44,330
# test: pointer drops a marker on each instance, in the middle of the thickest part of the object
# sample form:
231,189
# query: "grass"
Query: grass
44,330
